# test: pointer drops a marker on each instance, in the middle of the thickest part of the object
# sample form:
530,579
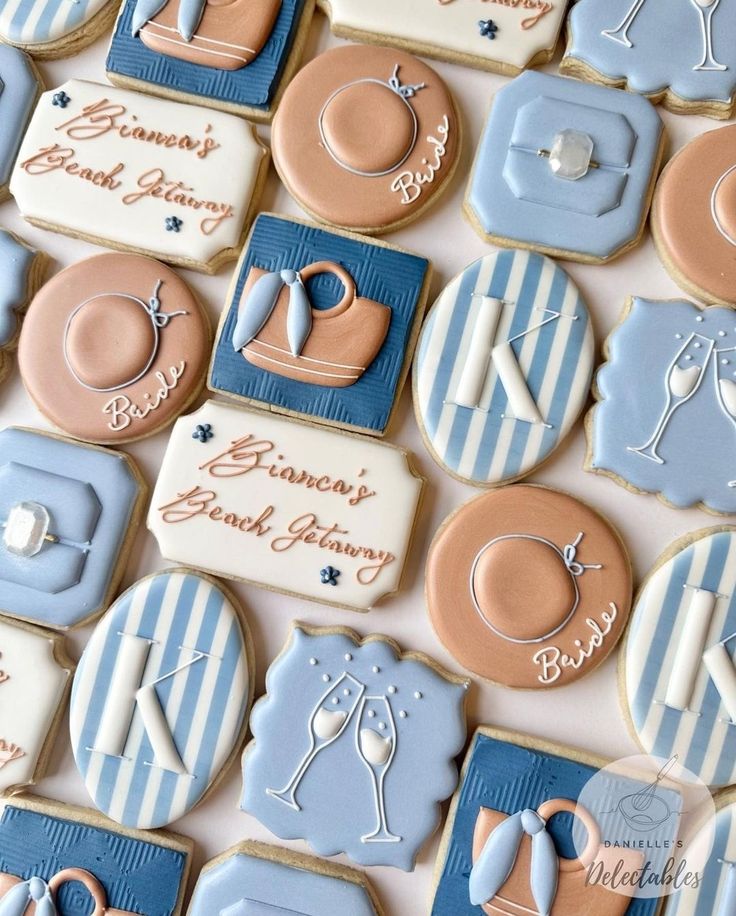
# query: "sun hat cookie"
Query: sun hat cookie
528,587
366,138
113,348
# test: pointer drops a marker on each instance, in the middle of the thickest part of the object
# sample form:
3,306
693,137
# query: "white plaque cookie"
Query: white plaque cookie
310,512
177,182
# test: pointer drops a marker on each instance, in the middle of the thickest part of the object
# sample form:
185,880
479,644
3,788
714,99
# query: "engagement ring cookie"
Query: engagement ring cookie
681,53
20,86
62,860
253,878
49,29
520,34
338,741
235,55
21,272
310,512
114,348
694,216
565,168
666,418
69,513
160,701
536,827
503,367
677,667
528,587
366,138
35,676
320,324
120,169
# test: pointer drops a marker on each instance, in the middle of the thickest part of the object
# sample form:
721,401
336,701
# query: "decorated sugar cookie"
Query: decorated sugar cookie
678,52
35,676
695,232
236,55
528,587
119,169
21,271
536,827
340,738
666,418
69,861
678,665
20,85
503,367
68,513
366,138
49,29
114,347
565,168
517,35
253,878
161,697
320,324
291,507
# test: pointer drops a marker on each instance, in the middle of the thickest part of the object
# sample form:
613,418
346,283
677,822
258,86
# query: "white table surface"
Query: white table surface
587,713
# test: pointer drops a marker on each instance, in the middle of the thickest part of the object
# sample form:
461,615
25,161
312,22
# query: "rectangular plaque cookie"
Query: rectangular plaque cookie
311,512
116,168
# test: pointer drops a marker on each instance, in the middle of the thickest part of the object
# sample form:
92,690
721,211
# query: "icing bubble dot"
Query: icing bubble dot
375,669
417,695
578,643
348,657
699,318
346,692
312,661
382,726
678,336
336,700
371,713
392,689
721,333
403,713
697,345
325,678
724,362
688,357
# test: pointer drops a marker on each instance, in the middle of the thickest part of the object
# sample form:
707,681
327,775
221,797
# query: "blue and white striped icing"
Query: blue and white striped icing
484,445
31,22
160,698
686,609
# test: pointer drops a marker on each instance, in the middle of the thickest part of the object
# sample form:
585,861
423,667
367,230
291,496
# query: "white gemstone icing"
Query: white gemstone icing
571,154
26,529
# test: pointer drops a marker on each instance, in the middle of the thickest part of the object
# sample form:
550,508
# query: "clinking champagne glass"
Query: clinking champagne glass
328,721
726,389
621,32
706,9
684,376
376,742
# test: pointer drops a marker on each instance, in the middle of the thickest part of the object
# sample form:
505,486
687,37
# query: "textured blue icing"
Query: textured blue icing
137,876
90,495
336,795
667,44
390,277
15,265
204,705
515,195
253,86
698,445
18,89
505,777
268,888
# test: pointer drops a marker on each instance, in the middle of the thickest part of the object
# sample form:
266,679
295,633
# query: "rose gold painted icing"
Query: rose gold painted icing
518,596
230,34
113,348
694,215
358,143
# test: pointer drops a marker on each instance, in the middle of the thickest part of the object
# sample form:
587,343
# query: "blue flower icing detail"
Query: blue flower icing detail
203,432
328,575
60,99
173,223
487,28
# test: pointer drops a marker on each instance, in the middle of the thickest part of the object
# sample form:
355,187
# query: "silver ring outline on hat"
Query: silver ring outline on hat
159,320
394,86
567,563
713,213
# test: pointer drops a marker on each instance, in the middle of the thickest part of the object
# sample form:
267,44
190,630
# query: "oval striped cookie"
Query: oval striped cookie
503,367
160,700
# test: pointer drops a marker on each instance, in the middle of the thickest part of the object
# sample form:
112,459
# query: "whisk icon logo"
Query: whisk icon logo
647,810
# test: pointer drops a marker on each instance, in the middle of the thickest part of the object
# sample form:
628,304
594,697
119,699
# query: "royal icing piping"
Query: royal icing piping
121,164
159,699
344,775
271,501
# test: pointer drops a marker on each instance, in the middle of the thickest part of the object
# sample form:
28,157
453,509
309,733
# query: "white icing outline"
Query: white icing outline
381,834
713,213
